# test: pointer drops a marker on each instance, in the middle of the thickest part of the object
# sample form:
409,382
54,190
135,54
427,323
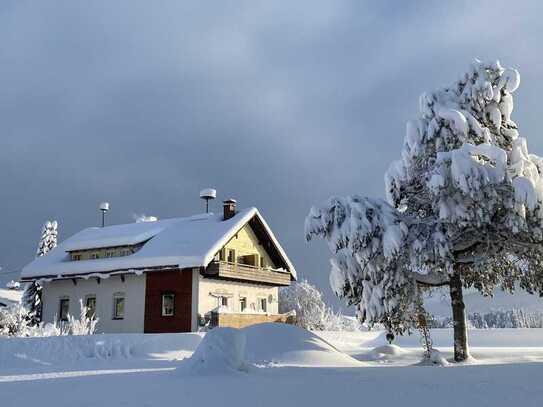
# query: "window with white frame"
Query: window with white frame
222,301
262,305
168,304
242,304
64,309
90,305
118,305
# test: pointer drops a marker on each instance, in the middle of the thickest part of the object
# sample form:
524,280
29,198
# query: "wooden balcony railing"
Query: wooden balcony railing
245,272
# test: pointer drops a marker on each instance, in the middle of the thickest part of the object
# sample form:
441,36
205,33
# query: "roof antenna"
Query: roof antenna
104,207
208,194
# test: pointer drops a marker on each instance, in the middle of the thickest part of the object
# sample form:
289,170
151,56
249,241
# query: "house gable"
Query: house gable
249,249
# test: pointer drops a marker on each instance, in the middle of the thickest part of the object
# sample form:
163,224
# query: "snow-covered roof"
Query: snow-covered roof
9,296
179,242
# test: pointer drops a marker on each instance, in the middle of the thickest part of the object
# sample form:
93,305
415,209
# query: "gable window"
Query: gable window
242,304
262,305
90,304
168,304
231,256
64,309
118,306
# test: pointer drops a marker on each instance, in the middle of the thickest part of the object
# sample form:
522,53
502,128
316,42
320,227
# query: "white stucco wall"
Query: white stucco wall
209,289
134,293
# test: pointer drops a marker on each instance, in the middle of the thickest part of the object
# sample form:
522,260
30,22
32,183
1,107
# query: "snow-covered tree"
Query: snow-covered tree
312,312
306,301
32,295
49,236
464,207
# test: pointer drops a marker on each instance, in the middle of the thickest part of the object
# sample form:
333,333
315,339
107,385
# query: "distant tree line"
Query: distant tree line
513,318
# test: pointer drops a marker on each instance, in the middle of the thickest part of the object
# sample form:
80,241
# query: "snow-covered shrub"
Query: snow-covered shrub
85,325
16,320
305,300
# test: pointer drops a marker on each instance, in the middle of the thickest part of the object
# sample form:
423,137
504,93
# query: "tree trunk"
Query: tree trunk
461,350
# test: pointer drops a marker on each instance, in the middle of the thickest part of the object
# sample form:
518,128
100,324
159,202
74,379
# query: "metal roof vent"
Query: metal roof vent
208,194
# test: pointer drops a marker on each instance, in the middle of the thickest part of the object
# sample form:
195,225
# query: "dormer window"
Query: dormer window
105,252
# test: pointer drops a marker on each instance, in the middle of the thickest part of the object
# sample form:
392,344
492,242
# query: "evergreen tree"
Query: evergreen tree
32,295
464,208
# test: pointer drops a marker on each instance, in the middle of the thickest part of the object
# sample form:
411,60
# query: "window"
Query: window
262,262
110,254
262,305
64,309
222,301
76,257
94,255
118,306
168,304
90,303
249,259
231,256
243,304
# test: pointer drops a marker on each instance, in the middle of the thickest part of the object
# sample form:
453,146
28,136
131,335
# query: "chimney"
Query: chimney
229,208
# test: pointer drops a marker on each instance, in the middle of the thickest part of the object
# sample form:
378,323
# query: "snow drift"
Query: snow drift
221,351
70,350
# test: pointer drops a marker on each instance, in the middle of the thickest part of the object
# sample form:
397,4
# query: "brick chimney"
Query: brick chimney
229,208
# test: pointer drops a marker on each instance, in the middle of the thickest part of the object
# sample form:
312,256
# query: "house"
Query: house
10,296
172,275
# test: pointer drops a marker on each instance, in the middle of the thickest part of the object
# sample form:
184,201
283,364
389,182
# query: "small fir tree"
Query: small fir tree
32,295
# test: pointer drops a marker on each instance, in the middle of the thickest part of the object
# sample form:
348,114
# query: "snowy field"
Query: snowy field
282,366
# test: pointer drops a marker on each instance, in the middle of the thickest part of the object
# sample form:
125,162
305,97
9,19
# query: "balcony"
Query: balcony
245,272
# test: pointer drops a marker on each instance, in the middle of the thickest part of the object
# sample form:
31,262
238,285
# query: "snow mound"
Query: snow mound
230,350
385,353
221,351
393,350
288,345
436,359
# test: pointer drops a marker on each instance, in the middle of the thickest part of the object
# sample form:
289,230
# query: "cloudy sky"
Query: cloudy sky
278,105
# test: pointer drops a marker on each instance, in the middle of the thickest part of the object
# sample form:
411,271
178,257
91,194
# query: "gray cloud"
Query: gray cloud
277,104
